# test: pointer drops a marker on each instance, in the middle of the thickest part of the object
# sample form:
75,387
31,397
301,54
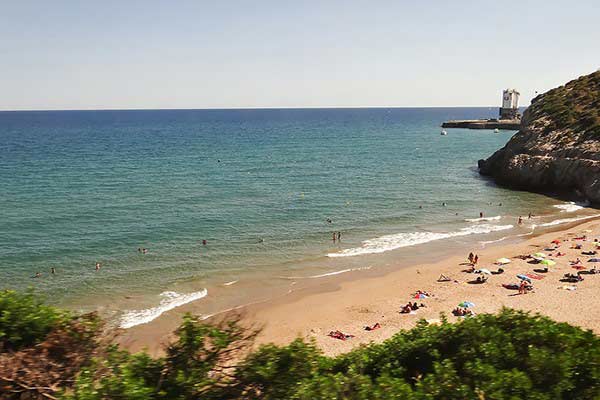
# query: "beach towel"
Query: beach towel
535,276
565,287
594,260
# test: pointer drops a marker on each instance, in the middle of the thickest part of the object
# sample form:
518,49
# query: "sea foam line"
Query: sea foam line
398,240
570,206
170,300
327,273
493,241
496,218
566,220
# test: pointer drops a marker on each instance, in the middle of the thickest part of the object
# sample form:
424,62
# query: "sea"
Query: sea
239,206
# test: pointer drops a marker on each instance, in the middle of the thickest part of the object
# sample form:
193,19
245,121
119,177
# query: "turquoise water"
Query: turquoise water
80,187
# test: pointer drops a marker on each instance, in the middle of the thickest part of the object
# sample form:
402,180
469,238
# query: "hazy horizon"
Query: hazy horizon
234,55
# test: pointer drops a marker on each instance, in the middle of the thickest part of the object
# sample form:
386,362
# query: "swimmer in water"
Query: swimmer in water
444,204
98,266
38,275
480,215
52,271
204,242
520,222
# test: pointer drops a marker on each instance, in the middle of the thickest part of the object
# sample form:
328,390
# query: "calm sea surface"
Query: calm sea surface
80,187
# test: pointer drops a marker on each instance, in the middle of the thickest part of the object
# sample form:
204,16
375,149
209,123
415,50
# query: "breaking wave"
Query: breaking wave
398,240
170,300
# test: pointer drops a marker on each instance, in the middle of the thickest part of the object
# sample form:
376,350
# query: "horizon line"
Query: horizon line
241,108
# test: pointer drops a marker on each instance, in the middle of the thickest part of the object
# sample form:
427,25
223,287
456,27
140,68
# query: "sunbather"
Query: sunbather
372,328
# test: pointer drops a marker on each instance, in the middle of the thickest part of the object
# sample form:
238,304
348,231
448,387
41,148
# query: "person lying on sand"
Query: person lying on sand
406,309
589,253
576,247
339,335
462,312
469,270
372,328
481,279
559,254
568,277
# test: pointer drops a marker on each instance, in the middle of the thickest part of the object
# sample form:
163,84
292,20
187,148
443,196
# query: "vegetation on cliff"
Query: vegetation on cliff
557,148
512,355
574,106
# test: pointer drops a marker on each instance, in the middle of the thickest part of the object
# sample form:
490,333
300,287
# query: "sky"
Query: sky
262,53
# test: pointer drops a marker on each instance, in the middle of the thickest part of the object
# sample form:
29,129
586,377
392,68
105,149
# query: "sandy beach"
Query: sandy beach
351,304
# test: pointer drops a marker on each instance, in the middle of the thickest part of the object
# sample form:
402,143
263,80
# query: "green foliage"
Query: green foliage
510,355
25,320
574,106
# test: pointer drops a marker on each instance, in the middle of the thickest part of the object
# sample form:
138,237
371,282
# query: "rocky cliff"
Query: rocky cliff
557,149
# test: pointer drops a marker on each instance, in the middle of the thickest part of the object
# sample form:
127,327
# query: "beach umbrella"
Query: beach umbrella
524,278
548,262
541,255
466,304
484,271
503,260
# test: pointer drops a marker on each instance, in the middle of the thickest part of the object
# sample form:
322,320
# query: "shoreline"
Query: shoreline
349,301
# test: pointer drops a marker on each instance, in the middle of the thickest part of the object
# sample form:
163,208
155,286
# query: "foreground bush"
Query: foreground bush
42,349
511,355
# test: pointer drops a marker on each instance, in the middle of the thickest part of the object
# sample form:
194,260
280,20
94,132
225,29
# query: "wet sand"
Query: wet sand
355,301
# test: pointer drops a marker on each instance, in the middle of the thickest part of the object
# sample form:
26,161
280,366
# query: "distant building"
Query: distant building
510,104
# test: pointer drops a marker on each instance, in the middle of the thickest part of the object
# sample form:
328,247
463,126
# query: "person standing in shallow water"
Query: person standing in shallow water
334,236
339,236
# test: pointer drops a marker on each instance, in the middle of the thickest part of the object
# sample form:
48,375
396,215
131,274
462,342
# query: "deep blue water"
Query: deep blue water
80,187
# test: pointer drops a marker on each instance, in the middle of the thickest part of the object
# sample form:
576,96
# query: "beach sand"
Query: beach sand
351,303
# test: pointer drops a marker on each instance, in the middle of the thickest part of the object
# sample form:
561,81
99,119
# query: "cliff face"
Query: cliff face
557,149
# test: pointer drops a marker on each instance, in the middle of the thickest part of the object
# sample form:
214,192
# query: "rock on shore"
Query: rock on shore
557,149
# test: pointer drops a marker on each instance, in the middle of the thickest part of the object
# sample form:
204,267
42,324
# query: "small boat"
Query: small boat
443,133
496,130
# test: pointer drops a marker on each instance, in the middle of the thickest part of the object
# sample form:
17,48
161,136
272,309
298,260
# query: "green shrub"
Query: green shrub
25,320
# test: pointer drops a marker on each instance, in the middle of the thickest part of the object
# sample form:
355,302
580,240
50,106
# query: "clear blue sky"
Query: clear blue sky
206,54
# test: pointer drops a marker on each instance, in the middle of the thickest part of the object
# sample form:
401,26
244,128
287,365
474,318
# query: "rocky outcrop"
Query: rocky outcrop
557,149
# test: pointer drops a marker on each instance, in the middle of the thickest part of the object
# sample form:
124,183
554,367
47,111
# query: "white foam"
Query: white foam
570,206
398,240
170,300
230,283
482,219
567,220
343,271
493,241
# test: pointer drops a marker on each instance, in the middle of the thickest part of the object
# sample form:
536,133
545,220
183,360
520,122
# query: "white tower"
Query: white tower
510,104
